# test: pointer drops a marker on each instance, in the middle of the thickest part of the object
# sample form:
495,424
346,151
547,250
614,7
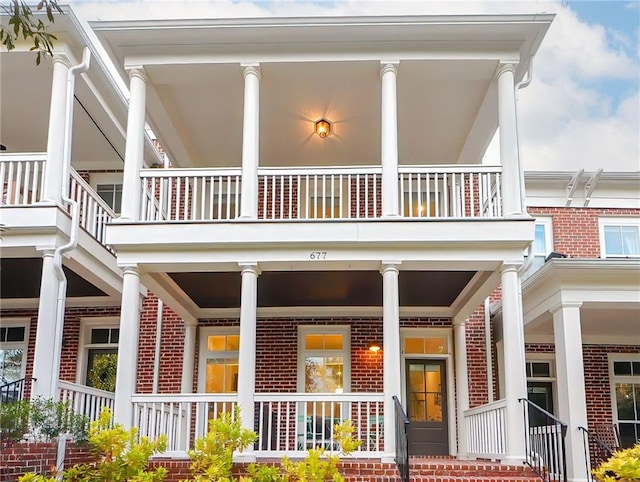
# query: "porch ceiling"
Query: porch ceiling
20,279
323,288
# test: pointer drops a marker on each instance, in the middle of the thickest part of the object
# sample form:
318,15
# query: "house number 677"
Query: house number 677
318,255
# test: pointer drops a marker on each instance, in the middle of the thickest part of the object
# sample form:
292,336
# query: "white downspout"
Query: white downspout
488,349
156,358
75,219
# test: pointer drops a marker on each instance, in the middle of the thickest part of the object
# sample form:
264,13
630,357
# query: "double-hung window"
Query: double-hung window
100,351
111,194
13,349
620,237
625,382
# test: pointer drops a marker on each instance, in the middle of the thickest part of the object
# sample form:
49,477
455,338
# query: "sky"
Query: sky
582,109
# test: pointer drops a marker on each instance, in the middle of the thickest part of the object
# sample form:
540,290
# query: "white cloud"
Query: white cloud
567,120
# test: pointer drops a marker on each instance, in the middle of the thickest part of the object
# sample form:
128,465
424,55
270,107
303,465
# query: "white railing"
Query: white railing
450,192
290,423
323,193
85,400
190,194
181,417
21,178
487,430
95,213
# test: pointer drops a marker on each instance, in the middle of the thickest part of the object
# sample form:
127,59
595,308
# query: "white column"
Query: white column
391,352
188,358
57,124
462,385
134,150
572,401
515,380
509,154
127,347
250,142
389,139
247,349
47,351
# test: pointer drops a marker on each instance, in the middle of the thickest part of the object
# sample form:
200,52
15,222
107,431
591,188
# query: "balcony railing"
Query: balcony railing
95,213
286,423
21,178
487,430
85,400
321,193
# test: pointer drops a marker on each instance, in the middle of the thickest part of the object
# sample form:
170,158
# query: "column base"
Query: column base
513,460
388,458
244,457
391,216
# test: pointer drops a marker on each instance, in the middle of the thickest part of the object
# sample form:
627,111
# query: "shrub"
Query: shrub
14,420
622,465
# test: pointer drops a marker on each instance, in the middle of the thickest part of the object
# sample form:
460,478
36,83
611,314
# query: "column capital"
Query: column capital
130,270
507,267
459,323
390,266
61,59
138,72
46,251
250,268
251,69
565,304
389,66
504,68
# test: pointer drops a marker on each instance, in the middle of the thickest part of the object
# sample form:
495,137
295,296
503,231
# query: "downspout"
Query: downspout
156,358
488,349
75,218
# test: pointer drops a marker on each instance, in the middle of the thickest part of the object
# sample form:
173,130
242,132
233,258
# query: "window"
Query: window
219,360
100,354
111,194
619,237
542,245
426,345
324,207
625,374
13,349
415,205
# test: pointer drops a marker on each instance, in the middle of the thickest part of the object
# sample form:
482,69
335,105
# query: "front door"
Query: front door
541,394
427,407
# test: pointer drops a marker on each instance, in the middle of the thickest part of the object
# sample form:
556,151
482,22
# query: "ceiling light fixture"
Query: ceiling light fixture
323,128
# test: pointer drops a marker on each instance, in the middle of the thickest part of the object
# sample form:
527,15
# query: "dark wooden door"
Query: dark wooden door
540,393
427,407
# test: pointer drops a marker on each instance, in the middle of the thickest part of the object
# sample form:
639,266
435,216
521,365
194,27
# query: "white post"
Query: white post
46,351
572,401
515,379
134,149
389,139
391,353
188,358
127,347
247,349
57,124
509,154
462,385
250,142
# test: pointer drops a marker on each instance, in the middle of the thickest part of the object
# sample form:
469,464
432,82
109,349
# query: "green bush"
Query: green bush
623,465
14,420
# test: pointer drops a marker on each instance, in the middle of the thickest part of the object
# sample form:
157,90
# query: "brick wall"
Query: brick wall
19,458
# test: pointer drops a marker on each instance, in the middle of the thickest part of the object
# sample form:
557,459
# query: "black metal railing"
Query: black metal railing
13,391
545,450
596,450
402,440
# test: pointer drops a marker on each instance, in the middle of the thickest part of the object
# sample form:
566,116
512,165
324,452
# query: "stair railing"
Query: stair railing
596,451
545,449
12,391
402,440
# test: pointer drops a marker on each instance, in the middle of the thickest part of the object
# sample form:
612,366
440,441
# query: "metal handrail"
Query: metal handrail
13,391
402,440
596,451
545,443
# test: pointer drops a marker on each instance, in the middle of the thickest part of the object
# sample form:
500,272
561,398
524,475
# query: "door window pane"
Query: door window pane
102,367
11,365
425,345
221,375
425,393
323,374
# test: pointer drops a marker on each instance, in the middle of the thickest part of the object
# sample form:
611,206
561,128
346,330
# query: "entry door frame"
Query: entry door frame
447,333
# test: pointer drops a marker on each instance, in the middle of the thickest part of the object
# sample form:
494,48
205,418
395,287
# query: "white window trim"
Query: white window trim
614,357
547,222
204,332
20,322
345,331
615,221
86,325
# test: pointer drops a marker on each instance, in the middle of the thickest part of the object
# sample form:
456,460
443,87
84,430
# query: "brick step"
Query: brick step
452,467
472,478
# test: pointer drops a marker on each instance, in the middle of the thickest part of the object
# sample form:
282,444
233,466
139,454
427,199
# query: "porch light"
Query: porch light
374,347
323,128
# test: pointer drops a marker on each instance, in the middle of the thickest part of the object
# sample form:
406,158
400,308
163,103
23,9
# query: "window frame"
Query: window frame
84,345
203,351
613,379
616,222
345,331
18,322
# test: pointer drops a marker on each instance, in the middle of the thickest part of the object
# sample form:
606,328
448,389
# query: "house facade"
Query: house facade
316,240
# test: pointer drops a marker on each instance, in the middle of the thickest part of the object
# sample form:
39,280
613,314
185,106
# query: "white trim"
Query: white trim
614,357
536,357
500,364
448,357
86,325
18,322
203,333
345,331
616,221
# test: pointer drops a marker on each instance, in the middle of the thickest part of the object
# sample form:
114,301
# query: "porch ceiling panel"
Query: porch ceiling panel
323,288
20,278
